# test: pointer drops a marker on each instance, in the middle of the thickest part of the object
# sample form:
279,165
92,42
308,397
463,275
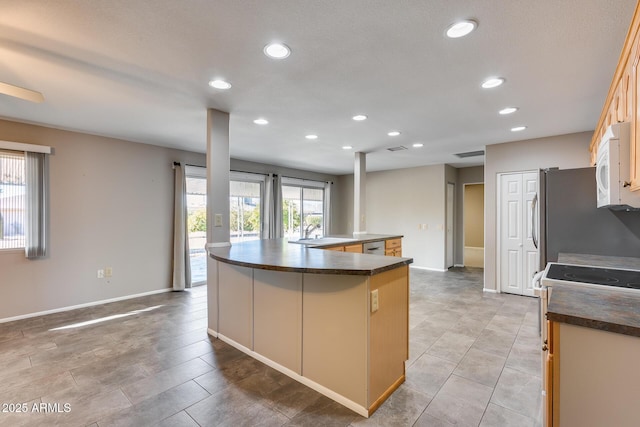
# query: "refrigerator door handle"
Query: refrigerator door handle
534,204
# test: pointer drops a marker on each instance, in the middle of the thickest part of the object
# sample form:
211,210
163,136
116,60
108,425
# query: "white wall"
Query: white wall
397,201
563,151
111,205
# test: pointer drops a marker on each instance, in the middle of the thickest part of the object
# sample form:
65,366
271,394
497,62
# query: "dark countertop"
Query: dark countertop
344,239
597,308
279,255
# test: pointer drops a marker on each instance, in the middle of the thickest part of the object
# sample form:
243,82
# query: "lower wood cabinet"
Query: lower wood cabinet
393,247
591,377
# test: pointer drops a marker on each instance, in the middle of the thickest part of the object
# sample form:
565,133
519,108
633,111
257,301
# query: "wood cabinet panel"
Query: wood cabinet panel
392,243
621,104
357,249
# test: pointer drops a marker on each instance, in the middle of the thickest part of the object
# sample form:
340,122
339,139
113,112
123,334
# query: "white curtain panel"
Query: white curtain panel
267,208
327,209
278,231
272,211
37,205
181,264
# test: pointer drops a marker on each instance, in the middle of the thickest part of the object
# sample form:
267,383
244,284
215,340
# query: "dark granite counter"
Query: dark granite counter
279,255
597,308
345,239
629,263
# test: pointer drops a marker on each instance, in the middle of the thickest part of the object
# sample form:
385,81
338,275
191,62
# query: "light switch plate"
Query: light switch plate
217,220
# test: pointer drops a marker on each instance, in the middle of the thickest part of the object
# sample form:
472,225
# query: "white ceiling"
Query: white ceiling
138,70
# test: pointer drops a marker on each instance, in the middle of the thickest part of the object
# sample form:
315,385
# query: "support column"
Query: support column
218,235
218,165
360,194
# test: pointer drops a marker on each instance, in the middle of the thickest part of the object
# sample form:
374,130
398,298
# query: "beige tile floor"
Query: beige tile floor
474,361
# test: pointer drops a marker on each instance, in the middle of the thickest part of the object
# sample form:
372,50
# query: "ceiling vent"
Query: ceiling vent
398,148
471,154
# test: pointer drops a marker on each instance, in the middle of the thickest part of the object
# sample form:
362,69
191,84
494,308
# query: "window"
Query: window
12,200
302,209
245,206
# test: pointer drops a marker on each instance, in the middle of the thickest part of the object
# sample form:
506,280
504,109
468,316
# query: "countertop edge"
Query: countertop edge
348,241
593,324
311,270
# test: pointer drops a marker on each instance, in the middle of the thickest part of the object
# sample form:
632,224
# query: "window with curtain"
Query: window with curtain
246,206
24,198
13,202
303,209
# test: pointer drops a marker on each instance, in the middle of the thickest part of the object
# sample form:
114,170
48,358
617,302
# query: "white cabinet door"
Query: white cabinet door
518,255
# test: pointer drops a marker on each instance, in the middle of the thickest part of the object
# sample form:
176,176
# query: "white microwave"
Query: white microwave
612,170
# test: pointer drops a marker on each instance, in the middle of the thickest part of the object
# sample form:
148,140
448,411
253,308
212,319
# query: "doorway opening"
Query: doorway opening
473,225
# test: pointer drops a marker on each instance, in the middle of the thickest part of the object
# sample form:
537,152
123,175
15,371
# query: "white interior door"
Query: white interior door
450,218
518,255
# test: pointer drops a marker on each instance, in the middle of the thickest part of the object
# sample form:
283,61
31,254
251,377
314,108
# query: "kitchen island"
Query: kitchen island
334,321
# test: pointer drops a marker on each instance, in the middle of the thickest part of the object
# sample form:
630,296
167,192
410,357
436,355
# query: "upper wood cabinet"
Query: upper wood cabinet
621,104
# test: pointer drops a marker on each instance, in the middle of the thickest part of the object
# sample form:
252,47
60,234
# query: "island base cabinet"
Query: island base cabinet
278,317
320,329
596,377
334,319
235,306
388,335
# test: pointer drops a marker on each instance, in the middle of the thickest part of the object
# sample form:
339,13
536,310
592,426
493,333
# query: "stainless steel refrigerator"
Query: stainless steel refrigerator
570,222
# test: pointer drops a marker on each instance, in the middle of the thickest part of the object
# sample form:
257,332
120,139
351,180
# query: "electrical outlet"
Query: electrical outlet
101,274
375,303
217,220
108,272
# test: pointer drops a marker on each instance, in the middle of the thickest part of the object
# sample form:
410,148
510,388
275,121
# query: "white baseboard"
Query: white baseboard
427,268
459,265
88,304
490,291
212,332
360,410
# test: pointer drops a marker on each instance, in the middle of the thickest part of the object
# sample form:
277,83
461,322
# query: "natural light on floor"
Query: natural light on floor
105,319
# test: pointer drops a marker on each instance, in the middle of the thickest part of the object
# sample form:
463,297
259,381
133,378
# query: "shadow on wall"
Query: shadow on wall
631,221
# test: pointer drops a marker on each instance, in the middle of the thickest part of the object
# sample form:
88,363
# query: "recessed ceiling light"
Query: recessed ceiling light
359,117
418,145
261,121
492,82
347,147
277,50
508,110
394,133
220,84
461,28
311,136
518,128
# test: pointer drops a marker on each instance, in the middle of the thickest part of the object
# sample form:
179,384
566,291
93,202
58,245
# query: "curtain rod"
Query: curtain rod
187,164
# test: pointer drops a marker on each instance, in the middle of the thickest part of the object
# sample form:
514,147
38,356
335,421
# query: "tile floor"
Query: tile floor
474,361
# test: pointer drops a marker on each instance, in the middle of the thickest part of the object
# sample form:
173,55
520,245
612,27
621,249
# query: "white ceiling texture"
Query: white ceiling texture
139,70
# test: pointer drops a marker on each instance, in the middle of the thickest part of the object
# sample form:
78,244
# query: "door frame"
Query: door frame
499,176
453,226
